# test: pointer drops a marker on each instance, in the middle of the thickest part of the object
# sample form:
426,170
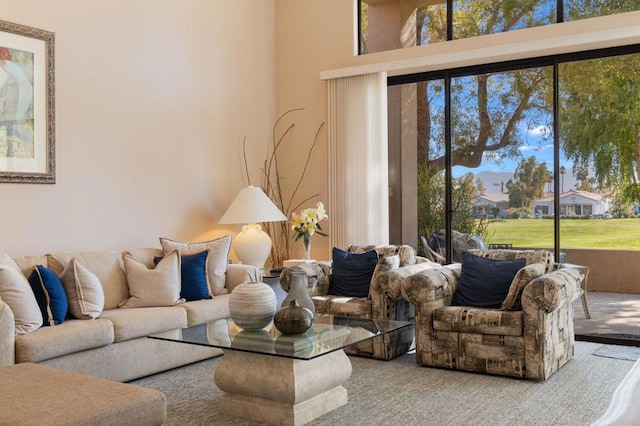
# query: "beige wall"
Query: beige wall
153,99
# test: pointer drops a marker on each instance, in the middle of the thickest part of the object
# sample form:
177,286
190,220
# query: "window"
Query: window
396,24
486,153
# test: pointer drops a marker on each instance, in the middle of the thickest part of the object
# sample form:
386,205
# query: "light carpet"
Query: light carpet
399,392
630,353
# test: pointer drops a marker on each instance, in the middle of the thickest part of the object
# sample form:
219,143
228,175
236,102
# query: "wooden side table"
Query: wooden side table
585,272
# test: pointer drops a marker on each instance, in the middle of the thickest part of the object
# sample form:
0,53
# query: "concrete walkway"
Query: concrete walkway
615,315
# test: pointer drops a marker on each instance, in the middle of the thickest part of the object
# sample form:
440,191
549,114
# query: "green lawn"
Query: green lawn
620,234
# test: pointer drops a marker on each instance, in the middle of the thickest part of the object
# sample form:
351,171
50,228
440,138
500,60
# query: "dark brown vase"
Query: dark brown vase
293,319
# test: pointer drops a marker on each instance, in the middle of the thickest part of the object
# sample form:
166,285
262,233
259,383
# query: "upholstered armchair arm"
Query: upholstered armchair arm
389,283
238,274
7,336
432,288
552,290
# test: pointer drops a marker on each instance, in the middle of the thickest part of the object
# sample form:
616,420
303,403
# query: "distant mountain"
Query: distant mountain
493,181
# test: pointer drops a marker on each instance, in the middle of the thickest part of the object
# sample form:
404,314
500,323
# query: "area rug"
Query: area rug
629,353
400,392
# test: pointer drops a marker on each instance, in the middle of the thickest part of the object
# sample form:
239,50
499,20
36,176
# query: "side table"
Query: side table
585,272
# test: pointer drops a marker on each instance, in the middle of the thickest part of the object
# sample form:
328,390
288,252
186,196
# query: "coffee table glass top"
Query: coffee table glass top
329,333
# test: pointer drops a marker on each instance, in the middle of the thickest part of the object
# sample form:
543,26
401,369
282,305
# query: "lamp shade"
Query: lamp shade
251,205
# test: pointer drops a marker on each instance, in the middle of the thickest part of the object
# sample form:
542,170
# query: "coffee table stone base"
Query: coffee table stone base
281,390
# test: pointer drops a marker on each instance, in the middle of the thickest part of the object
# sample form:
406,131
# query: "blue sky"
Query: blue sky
534,143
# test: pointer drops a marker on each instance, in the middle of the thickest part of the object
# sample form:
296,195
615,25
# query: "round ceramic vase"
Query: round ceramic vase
298,291
293,319
252,305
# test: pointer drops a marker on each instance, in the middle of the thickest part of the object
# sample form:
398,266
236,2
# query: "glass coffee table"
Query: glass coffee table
283,379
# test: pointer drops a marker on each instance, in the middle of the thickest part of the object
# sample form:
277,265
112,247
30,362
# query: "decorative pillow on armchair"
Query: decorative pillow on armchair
484,283
352,272
513,301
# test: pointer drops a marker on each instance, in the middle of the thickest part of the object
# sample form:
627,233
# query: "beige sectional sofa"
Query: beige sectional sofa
115,344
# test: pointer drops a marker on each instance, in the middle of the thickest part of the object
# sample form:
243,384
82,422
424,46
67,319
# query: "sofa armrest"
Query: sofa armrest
552,290
432,287
389,283
239,273
7,336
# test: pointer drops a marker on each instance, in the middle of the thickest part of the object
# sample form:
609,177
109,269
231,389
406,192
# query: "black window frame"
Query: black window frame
543,61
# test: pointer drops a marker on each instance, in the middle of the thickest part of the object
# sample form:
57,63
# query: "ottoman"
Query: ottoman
33,394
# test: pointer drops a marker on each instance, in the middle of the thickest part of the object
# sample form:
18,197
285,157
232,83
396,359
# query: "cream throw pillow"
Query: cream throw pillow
84,291
217,260
16,292
153,287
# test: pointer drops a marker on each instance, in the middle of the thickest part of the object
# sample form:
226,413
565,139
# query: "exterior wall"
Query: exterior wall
614,271
153,99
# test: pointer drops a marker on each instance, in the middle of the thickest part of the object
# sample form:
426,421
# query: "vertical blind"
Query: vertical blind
358,163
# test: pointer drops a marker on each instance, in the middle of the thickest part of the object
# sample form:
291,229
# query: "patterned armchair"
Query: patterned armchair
383,302
530,336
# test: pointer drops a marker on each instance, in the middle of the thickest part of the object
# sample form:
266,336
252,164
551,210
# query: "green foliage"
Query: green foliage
600,125
431,204
528,184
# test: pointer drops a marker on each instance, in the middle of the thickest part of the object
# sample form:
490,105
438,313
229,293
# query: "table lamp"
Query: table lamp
252,206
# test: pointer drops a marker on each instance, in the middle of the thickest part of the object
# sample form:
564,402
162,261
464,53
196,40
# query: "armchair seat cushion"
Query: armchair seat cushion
464,319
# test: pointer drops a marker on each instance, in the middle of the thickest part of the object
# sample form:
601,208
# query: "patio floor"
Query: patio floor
615,318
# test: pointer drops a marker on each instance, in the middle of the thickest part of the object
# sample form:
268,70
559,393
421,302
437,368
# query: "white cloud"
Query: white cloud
525,148
537,131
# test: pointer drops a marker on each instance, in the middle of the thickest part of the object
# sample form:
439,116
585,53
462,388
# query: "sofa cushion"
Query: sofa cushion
50,295
140,322
16,292
352,272
27,263
465,319
84,291
159,286
216,262
69,337
485,282
106,265
205,310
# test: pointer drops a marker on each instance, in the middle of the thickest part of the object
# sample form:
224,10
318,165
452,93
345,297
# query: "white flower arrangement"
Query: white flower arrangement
307,223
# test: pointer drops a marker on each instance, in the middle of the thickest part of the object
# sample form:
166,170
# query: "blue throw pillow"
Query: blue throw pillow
50,295
351,272
194,276
485,283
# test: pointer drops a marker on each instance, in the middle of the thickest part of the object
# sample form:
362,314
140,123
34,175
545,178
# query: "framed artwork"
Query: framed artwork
27,104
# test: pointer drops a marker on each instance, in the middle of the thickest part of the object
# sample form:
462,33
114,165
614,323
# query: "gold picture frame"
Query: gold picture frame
27,104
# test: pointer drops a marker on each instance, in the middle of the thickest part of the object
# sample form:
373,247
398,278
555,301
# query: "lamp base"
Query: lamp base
252,245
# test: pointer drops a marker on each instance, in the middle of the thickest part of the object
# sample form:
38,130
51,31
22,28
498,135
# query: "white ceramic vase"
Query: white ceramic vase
252,305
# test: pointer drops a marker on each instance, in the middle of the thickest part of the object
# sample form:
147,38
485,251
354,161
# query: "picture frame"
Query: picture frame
27,104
